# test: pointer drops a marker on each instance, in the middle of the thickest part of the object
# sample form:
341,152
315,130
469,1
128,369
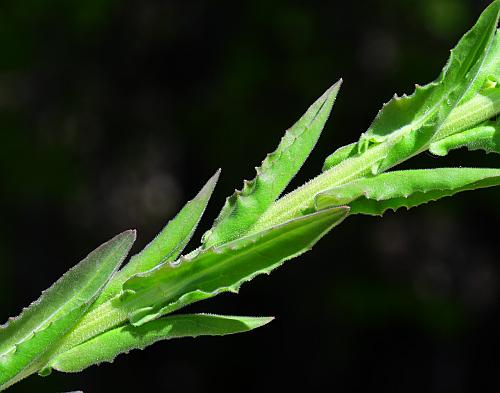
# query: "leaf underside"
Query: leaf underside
485,137
105,347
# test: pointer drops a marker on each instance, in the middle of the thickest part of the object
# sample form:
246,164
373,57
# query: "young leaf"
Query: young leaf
59,308
339,155
408,123
392,190
167,245
105,347
224,268
485,137
244,207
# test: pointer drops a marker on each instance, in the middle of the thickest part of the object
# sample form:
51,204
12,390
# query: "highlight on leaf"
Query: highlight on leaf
433,102
409,122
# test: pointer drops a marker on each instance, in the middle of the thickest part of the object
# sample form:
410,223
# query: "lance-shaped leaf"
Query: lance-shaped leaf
105,347
408,123
26,339
244,207
212,271
167,245
392,190
485,137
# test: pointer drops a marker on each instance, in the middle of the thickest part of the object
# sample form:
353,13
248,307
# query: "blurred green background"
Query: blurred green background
114,113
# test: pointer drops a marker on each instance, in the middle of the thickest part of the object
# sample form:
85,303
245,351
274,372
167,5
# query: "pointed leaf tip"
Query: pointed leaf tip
212,182
256,322
409,123
242,210
26,341
167,245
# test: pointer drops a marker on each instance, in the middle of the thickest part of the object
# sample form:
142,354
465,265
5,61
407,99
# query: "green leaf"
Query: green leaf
206,273
490,77
28,338
485,137
244,207
392,190
407,124
105,347
341,154
167,245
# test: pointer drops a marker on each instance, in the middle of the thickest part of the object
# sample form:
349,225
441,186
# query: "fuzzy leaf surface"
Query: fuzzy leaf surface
105,347
25,339
209,272
244,207
409,188
167,245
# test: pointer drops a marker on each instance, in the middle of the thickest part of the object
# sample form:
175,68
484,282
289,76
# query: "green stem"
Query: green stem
480,108
473,112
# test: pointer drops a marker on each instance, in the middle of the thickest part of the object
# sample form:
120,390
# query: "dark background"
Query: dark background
114,113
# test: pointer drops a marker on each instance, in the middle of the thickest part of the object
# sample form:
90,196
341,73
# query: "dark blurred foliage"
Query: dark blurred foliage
114,113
